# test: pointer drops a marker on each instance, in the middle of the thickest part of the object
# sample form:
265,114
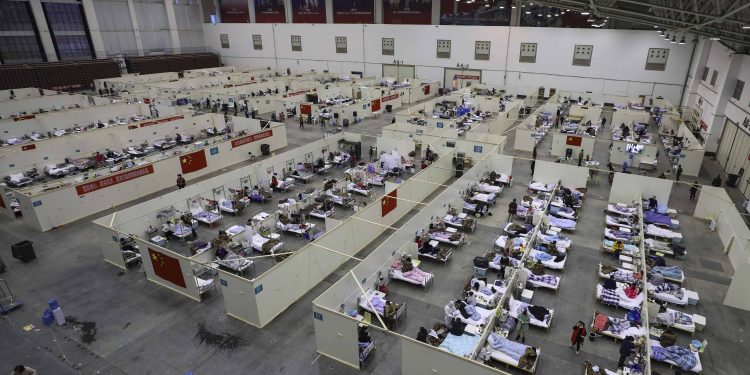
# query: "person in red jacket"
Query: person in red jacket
578,336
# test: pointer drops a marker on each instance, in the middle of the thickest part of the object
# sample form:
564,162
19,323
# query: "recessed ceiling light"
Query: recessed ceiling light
528,12
715,38
585,13
666,37
549,15
557,14
682,41
674,40
746,27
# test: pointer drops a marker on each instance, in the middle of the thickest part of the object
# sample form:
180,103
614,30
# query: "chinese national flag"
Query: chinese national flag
193,161
376,105
427,90
573,141
388,203
167,268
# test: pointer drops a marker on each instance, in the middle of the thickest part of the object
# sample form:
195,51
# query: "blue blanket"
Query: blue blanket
511,348
540,256
671,272
562,223
650,217
460,345
683,357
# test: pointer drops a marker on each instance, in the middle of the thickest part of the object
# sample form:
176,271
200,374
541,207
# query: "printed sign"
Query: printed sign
234,11
477,149
26,117
353,11
415,12
251,138
309,11
318,316
269,11
465,76
160,121
114,179
300,92
389,98
28,147
258,289
214,150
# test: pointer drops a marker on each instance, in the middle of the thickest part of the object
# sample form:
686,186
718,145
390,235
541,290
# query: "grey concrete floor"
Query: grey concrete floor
127,325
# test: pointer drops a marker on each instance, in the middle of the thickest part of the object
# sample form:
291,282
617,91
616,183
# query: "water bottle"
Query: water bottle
56,311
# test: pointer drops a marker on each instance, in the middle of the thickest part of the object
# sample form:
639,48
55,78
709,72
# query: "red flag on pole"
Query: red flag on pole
193,161
388,203
167,268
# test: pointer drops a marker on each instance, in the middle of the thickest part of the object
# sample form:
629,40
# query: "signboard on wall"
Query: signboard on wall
475,13
115,179
413,12
353,11
309,11
160,121
269,11
251,138
389,98
234,11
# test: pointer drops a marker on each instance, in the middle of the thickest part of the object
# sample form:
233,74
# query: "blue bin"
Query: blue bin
53,304
47,317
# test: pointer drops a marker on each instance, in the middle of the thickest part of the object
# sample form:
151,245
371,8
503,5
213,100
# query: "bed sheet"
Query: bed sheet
697,368
624,301
460,345
514,305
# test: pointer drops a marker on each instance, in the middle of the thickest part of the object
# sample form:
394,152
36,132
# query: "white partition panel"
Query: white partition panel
168,269
239,297
570,175
342,341
560,145
711,202
738,294
108,241
625,186
524,140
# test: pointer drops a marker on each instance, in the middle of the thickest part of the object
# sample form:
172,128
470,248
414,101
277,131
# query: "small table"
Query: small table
159,240
555,229
527,295
692,297
700,322
625,258
274,236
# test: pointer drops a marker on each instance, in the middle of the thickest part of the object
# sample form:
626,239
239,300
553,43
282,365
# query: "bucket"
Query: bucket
695,345
47,317
53,304
592,336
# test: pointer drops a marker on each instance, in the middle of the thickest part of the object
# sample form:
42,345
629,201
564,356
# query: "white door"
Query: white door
399,72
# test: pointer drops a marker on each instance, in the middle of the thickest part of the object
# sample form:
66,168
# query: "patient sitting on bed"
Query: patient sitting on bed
467,310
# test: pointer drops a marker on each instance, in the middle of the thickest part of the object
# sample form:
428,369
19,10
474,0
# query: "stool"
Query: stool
700,322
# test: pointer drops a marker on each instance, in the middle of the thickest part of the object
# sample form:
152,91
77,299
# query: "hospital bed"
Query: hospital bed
463,346
557,208
621,209
206,217
359,189
460,221
540,187
374,179
502,241
449,236
341,200
395,273
489,301
341,159
475,209
657,350
322,169
562,242
679,295
263,244
616,328
617,297
302,175
17,180
619,221
502,180
658,232
483,187
562,223
514,229
164,144
508,351
486,198
661,220
299,229
675,319
226,205
546,261
677,276
178,230
434,256
284,185
621,275
320,212
543,281
377,299
625,237
515,308
484,316
235,263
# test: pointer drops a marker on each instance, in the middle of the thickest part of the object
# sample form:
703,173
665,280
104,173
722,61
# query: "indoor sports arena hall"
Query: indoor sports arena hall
342,187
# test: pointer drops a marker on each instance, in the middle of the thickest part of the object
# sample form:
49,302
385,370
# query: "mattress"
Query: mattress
696,369
397,274
625,301
514,305
549,263
621,209
463,345
485,315
666,297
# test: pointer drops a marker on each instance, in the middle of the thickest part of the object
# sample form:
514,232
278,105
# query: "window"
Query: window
67,24
528,53
443,49
340,44
481,50
657,58
296,43
713,77
738,89
388,46
582,55
19,42
257,42
704,77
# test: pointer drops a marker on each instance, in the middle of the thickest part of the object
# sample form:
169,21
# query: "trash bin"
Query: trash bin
732,180
23,251
265,149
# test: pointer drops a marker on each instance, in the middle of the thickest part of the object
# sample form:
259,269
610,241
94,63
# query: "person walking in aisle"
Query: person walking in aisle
180,181
693,189
301,122
580,157
578,336
533,164
512,207
626,349
523,325
678,173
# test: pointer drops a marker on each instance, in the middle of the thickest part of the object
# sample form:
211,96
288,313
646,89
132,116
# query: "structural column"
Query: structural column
44,34
136,29
329,11
174,34
288,11
94,32
251,10
378,11
436,12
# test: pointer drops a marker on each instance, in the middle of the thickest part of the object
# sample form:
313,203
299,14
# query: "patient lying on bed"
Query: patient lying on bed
406,266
